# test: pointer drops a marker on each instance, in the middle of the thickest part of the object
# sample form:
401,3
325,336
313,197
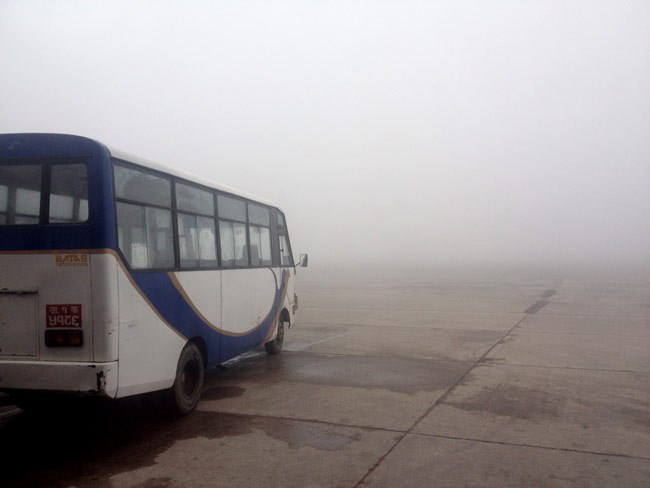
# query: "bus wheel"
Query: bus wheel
275,346
189,380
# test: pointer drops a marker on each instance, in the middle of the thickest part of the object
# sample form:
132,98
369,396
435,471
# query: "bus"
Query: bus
119,276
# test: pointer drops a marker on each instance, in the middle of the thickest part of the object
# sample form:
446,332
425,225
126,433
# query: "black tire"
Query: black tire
30,402
275,346
186,392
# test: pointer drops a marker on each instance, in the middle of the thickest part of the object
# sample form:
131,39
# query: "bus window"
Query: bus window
258,215
160,238
68,193
260,234
196,238
138,186
286,259
260,245
232,235
233,244
194,200
196,233
145,233
20,194
231,209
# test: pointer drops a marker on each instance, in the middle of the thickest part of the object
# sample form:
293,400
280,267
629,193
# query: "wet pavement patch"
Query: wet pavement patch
514,401
548,293
401,375
163,482
91,449
536,307
221,392
299,434
539,304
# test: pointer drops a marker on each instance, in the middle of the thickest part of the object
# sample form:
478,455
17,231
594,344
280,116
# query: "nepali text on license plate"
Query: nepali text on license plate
63,315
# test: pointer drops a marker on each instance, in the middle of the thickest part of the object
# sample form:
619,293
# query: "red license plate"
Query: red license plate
68,315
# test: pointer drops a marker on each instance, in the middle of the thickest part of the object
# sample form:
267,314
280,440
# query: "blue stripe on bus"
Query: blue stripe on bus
170,304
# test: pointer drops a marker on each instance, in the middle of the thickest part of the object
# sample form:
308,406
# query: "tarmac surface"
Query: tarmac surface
441,377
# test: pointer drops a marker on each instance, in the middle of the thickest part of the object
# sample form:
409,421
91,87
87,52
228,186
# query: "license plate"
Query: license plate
63,315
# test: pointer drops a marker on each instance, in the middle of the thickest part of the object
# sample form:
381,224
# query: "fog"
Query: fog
388,131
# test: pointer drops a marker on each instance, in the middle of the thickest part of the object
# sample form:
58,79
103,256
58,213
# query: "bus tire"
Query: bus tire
275,346
188,384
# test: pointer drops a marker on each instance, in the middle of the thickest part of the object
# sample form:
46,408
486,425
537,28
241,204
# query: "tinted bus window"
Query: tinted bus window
138,186
194,200
258,215
20,194
68,193
286,259
232,237
260,245
145,233
197,241
145,236
230,208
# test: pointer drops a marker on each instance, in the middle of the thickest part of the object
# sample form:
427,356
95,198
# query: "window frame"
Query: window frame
117,199
49,196
250,224
45,187
176,211
283,230
174,180
244,222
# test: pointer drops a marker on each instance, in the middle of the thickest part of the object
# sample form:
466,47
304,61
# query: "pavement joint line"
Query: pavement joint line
377,356
394,326
307,420
436,403
457,312
520,365
324,340
416,310
584,333
534,446
603,315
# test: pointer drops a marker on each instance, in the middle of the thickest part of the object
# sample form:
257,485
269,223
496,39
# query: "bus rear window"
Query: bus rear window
68,194
21,200
20,194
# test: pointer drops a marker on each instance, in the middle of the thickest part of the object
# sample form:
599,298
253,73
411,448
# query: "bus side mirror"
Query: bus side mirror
304,260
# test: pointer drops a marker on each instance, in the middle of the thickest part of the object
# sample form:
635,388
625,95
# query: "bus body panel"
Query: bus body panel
249,312
61,299
105,305
146,342
18,325
61,376
248,296
202,290
291,304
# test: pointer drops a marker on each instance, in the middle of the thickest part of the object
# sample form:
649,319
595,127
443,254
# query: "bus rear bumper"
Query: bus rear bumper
81,378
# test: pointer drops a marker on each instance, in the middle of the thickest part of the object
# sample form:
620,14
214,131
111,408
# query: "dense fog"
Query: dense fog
388,131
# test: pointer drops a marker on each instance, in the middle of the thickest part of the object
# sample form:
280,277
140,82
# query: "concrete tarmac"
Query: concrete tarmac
473,377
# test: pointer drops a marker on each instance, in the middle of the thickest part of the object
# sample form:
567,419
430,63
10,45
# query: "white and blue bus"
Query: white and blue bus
119,276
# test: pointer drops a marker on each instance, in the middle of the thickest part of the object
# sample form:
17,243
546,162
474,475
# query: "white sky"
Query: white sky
430,131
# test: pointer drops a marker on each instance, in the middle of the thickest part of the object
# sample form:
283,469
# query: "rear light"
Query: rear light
64,338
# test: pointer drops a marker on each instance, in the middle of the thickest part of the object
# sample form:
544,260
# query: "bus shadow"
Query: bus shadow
84,440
